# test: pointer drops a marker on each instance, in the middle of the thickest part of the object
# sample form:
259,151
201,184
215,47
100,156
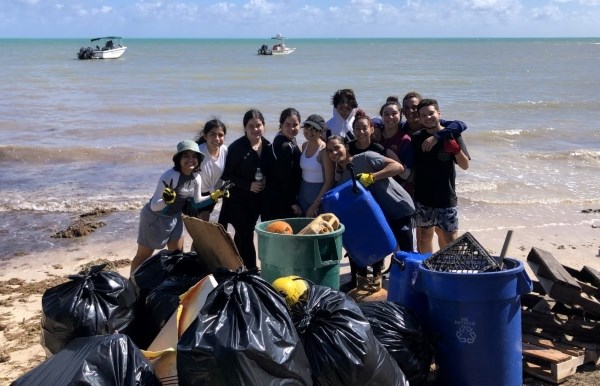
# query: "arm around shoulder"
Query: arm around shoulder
452,129
462,160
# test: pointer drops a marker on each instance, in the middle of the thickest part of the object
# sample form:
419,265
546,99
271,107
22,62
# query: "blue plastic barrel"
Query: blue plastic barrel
401,286
368,237
475,320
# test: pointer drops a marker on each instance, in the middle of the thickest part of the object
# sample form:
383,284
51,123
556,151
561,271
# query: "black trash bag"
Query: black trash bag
96,303
151,274
398,329
154,270
339,342
164,299
243,336
94,360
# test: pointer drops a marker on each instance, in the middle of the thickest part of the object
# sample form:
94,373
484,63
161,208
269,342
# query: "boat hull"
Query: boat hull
109,54
285,51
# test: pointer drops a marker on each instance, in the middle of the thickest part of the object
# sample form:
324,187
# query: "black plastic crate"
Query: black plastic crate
463,255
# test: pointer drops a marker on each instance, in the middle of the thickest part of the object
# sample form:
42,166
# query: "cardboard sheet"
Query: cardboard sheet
213,244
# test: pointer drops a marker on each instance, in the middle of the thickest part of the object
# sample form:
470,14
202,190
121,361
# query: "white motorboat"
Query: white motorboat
277,49
109,47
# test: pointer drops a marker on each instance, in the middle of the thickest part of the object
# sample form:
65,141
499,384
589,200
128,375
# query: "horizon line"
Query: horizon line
317,38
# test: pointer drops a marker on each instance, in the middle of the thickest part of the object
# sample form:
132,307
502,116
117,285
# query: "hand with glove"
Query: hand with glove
366,179
451,146
169,195
218,194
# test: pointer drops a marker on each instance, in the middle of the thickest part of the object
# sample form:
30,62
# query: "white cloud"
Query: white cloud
303,18
588,3
101,10
160,10
260,7
148,7
548,12
221,8
494,7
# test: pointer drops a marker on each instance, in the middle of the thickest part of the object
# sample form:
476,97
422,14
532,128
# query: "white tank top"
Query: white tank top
212,168
311,167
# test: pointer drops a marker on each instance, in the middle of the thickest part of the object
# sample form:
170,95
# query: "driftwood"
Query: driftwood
560,318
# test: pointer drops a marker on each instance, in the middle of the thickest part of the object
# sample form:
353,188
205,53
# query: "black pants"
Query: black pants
243,218
402,228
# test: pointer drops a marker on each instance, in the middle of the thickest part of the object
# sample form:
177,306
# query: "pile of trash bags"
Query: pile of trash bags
175,323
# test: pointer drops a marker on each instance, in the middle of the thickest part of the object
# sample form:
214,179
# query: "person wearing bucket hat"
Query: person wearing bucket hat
161,222
317,168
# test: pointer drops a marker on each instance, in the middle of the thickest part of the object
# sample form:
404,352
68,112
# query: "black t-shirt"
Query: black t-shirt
377,148
435,173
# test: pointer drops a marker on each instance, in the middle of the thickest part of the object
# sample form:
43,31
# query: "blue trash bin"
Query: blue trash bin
475,322
401,286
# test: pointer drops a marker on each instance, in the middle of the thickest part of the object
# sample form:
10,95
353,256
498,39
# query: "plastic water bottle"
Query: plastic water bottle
258,176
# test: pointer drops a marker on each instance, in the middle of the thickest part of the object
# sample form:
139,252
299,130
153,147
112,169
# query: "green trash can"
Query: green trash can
313,257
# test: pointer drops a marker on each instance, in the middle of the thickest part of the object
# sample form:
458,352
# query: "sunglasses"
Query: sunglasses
313,129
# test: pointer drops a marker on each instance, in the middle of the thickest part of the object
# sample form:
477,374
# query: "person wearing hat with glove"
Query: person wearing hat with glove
375,172
161,220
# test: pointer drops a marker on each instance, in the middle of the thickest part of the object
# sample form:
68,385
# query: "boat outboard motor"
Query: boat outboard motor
85,53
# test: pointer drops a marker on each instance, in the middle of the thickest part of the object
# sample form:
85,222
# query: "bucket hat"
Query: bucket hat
189,145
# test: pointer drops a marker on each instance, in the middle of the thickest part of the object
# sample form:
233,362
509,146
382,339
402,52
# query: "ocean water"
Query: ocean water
81,135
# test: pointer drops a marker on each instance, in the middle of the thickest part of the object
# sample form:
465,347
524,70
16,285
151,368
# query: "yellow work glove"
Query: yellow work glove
218,194
169,195
366,179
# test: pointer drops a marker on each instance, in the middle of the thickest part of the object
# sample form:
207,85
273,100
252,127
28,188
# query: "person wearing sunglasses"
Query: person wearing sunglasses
317,168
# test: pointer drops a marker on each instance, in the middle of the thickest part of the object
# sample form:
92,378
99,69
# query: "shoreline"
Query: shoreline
571,234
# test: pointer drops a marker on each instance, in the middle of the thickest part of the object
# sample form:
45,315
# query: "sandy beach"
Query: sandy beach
24,279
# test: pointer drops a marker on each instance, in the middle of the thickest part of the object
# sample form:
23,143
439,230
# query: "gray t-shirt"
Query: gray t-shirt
394,201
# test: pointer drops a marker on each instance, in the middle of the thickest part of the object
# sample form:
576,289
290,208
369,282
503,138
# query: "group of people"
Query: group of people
407,165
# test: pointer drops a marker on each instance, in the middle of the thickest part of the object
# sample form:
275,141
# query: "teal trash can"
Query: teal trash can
475,322
314,257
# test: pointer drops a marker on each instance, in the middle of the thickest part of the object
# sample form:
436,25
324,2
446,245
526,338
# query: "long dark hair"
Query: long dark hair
208,126
391,101
289,112
253,114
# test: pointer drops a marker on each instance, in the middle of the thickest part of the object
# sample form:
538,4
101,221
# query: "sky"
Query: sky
299,18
